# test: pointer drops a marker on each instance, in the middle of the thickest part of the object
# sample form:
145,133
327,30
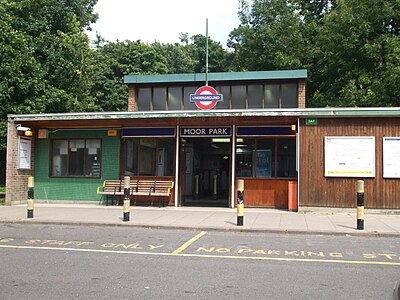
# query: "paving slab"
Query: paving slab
206,218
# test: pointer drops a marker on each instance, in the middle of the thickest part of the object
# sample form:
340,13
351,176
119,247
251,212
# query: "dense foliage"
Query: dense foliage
350,48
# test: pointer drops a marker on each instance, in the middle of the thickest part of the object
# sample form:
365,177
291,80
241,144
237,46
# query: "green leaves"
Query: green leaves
350,48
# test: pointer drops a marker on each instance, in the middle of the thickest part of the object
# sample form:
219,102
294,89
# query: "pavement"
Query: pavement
322,221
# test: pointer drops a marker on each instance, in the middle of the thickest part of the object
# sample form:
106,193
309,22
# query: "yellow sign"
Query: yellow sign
112,132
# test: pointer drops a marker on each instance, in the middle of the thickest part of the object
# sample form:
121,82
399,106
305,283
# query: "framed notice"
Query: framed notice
24,153
263,163
391,157
348,156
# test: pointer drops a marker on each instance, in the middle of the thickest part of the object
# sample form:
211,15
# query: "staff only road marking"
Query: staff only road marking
221,253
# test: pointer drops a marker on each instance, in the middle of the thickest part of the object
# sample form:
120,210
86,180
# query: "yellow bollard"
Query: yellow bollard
127,202
360,204
30,197
240,202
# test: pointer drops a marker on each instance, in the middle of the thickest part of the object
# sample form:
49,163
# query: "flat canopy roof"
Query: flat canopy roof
223,76
282,112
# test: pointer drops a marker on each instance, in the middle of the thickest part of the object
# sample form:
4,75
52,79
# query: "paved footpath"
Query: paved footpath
263,220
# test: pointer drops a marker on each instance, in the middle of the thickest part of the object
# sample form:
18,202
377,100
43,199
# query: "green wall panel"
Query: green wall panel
77,189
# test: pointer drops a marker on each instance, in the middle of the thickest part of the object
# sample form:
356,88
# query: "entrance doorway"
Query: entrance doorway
205,171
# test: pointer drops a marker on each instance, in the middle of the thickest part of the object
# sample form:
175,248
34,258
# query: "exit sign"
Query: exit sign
311,121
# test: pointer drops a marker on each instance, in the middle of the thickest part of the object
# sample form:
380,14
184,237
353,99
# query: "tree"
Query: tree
113,61
269,36
178,57
218,59
358,57
20,72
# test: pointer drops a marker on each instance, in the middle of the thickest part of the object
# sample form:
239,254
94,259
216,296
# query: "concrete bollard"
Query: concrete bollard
127,201
240,202
360,204
30,201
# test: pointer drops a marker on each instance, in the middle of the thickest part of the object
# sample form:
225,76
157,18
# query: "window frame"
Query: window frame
149,93
275,158
51,157
139,154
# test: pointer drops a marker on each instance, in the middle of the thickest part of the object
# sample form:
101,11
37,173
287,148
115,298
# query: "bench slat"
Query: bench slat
151,188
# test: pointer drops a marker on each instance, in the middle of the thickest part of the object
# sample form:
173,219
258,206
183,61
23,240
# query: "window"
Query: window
76,158
148,156
255,96
174,98
160,98
187,91
271,96
225,90
244,157
144,99
267,94
289,95
266,158
238,96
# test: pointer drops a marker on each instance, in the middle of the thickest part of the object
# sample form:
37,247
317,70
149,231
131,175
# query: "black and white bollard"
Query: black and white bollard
30,197
240,202
360,204
127,201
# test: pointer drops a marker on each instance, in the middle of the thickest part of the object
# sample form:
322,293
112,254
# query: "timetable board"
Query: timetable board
391,157
350,156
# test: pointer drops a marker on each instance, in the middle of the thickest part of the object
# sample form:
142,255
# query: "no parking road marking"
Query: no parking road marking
391,259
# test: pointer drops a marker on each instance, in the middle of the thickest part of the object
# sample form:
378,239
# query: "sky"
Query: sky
163,20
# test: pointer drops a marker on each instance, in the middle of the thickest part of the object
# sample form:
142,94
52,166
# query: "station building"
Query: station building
249,125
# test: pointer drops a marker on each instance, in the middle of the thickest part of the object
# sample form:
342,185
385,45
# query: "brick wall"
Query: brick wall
132,103
16,179
302,93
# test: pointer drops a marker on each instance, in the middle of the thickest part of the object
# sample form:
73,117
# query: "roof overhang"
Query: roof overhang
288,112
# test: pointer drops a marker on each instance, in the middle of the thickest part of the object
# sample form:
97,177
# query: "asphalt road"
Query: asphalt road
67,262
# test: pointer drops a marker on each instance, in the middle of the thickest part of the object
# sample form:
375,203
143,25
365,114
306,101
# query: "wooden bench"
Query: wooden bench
159,189
111,189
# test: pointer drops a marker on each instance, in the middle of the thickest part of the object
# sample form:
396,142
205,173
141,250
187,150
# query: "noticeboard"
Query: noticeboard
349,156
391,157
24,153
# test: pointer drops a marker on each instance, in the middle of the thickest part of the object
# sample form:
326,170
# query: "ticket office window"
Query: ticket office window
266,157
76,158
148,157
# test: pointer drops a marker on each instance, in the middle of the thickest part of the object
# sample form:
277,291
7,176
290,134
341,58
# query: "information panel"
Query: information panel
391,157
24,153
348,156
263,163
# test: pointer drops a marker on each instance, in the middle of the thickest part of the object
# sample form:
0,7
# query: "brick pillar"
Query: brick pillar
132,103
302,93
16,179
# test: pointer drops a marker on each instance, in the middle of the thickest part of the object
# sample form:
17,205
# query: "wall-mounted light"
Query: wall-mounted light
29,133
293,127
22,128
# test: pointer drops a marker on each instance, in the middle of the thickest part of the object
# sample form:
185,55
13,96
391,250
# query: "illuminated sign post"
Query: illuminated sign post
206,97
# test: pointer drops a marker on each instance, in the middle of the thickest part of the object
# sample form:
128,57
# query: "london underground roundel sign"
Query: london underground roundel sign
206,97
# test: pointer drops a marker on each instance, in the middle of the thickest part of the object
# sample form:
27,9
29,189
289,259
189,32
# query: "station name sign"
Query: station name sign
206,131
